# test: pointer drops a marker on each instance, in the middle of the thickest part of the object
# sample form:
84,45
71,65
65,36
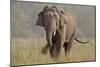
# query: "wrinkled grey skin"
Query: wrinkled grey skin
59,27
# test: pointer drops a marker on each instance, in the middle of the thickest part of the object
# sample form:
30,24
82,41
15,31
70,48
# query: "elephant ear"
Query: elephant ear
40,20
63,19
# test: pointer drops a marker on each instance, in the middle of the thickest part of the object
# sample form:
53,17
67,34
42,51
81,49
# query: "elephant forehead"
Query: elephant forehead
49,13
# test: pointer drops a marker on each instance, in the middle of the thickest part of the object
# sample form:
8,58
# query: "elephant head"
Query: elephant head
51,18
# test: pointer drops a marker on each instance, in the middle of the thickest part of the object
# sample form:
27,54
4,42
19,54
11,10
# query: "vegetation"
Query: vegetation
28,51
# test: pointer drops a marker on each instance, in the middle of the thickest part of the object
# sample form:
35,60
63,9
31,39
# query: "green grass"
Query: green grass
28,51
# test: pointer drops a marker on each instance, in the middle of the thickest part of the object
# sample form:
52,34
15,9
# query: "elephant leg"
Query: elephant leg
68,45
55,49
58,42
58,46
45,49
65,47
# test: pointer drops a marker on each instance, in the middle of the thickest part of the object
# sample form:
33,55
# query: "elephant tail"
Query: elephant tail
81,41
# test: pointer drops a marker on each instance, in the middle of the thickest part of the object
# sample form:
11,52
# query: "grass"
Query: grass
28,51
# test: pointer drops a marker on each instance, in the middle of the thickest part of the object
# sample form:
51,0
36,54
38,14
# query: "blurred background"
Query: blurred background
25,14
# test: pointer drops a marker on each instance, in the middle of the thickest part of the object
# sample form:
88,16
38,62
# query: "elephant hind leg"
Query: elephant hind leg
65,47
68,45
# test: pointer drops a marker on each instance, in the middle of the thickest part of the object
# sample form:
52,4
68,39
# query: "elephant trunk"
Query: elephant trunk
49,38
50,35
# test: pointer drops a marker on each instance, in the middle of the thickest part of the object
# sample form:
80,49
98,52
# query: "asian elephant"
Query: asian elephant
60,27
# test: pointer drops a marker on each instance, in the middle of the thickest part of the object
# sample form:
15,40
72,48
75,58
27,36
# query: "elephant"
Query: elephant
60,27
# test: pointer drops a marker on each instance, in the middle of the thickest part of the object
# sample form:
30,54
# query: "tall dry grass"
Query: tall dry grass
28,51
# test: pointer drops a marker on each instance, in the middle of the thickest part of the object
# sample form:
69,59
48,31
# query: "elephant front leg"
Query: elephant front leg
60,39
59,46
56,48
45,49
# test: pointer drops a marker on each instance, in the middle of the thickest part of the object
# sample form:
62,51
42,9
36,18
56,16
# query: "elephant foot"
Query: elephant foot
44,50
66,48
54,53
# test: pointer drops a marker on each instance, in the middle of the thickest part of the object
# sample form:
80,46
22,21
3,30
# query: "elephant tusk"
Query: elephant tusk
54,33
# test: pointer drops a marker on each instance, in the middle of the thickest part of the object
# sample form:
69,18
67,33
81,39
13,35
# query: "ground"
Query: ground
26,51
